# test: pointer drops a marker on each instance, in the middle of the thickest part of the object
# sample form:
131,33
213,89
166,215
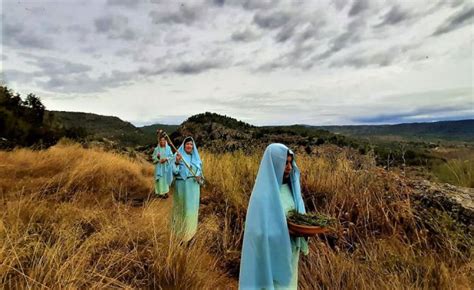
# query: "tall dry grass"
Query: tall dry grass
62,226
65,225
381,242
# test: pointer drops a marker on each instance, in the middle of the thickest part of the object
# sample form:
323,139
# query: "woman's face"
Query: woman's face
162,142
288,166
188,147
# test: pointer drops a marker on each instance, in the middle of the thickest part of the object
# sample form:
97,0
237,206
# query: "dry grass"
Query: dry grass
61,226
64,225
382,242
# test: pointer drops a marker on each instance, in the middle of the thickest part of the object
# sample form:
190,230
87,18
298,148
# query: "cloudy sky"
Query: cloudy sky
264,62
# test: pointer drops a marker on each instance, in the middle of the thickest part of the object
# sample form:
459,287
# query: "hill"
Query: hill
220,133
151,129
97,127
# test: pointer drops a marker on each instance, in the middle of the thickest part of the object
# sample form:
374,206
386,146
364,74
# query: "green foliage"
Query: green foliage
151,129
457,172
22,121
216,118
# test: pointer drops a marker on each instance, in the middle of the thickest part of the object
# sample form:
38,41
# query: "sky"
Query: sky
264,62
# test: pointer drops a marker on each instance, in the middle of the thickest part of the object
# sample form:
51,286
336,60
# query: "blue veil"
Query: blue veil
194,160
266,251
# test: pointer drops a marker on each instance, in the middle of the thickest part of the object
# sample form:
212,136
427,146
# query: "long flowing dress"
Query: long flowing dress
163,171
269,254
186,196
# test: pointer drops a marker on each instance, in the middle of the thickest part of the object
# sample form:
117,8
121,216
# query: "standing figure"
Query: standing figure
162,158
270,254
187,190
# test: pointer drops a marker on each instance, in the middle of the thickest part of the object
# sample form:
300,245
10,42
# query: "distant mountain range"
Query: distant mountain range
462,130
113,128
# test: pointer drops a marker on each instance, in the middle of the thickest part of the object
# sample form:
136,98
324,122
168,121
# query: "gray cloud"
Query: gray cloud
67,77
15,35
460,19
185,67
115,27
247,4
13,75
183,14
55,66
218,2
359,61
271,20
428,114
125,3
353,34
85,83
358,7
244,36
291,25
394,16
340,4
81,31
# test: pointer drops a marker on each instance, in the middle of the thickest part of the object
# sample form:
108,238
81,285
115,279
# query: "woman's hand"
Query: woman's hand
178,158
163,161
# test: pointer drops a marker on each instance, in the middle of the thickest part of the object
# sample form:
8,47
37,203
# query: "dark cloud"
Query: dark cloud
298,57
290,25
219,2
340,4
184,67
85,83
353,34
81,31
271,20
59,75
244,36
55,66
13,75
196,67
16,36
416,115
246,4
184,14
394,16
359,61
115,27
259,4
460,19
125,3
359,6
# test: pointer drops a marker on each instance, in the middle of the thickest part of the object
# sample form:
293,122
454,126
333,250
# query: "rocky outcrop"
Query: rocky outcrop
458,202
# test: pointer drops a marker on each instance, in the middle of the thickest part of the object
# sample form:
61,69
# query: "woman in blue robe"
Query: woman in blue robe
187,190
162,158
270,254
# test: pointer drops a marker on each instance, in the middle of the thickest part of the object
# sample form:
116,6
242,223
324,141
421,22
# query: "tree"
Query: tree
36,108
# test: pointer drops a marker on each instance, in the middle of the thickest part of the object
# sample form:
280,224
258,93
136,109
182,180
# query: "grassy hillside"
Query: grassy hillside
67,223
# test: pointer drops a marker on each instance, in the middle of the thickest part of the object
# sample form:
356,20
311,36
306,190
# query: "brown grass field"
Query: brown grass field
67,221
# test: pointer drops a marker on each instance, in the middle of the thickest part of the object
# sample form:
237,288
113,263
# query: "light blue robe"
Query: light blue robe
186,196
163,171
269,254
